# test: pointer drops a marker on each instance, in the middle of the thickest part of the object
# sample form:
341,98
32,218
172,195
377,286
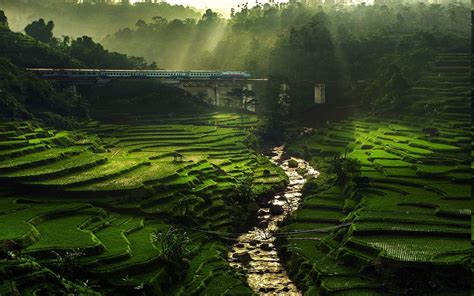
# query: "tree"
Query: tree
3,19
68,264
184,205
41,31
345,167
244,99
396,83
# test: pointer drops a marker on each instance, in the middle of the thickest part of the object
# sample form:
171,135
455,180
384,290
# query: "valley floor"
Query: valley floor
104,192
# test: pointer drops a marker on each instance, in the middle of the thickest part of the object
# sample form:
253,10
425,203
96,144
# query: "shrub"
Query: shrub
173,245
292,163
244,191
345,167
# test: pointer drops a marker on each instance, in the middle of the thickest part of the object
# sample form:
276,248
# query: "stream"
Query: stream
254,251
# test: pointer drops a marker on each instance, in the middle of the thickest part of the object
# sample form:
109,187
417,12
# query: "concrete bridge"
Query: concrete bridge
212,86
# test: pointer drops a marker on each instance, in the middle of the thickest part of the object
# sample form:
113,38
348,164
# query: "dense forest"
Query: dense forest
117,181
348,47
97,20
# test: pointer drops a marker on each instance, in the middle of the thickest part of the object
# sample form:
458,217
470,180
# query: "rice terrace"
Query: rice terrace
225,148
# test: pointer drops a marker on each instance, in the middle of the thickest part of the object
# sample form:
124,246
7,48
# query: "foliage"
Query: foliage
24,96
102,17
173,245
40,49
3,19
244,192
345,167
142,97
68,263
344,47
41,31
184,205
292,163
95,56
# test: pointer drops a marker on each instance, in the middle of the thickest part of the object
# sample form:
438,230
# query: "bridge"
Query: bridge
213,86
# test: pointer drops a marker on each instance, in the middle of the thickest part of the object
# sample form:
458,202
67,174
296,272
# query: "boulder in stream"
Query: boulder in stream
266,247
276,210
243,257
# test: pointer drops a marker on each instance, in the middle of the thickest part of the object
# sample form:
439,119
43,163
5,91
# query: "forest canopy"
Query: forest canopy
95,20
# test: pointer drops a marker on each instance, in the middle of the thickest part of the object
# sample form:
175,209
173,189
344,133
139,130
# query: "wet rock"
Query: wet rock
243,257
240,246
253,242
263,224
266,247
276,210
286,289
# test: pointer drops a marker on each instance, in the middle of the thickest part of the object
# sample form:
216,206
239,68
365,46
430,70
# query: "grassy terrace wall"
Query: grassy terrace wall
410,207
105,189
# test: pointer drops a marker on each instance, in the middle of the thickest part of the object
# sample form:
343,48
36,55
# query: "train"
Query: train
161,74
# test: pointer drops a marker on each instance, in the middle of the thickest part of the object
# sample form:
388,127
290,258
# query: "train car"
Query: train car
117,74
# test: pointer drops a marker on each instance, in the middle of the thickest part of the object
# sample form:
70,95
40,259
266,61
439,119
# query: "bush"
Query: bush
173,245
345,167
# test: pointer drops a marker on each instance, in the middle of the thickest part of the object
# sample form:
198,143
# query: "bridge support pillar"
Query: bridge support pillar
320,93
249,101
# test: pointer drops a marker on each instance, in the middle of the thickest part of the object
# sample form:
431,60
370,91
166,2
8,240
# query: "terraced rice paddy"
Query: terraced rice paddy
410,206
105,189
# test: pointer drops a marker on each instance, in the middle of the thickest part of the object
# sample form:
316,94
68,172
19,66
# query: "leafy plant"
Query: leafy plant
345,167
173,245
68,264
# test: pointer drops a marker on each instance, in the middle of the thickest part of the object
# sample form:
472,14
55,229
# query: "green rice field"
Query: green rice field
105,189
409,206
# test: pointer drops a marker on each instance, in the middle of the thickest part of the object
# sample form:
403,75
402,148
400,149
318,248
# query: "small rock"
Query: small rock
276,210
240,246
243,257
286,289
266,247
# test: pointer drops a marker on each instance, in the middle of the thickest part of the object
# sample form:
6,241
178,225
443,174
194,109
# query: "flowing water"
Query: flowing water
254,251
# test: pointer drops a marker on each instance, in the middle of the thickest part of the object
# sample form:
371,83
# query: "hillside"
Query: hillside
106,189
409,205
